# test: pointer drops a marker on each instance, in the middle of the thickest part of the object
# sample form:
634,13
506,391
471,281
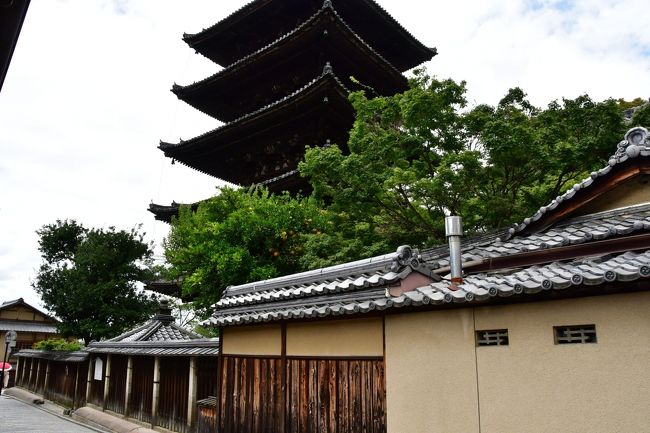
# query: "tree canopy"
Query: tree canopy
89,277
415,157
411,159
236,237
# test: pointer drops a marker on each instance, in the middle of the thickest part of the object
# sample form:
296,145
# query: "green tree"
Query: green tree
89,278
236,237
414,157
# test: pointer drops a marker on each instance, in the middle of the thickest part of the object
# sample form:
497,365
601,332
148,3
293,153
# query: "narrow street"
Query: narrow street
19,417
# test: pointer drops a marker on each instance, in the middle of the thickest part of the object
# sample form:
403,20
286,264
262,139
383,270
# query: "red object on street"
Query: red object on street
5,366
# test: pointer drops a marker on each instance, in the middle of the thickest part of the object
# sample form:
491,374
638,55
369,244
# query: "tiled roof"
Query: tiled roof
594,227
636,143
364,286
200,347
327,8
24,326
592,271
53,355
328,73
159,336
193,39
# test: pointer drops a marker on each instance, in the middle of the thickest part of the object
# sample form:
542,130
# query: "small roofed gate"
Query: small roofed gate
174,386
142,388
117,384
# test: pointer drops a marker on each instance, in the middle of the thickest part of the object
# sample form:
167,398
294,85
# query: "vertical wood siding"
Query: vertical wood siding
206,370
97,386
174,386
322,395
142,388
61,385
117,384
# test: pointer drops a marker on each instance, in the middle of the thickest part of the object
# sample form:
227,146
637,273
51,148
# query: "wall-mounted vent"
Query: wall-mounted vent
578,334
493,337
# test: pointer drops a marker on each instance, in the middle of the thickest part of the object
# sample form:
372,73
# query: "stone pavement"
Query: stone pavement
20,417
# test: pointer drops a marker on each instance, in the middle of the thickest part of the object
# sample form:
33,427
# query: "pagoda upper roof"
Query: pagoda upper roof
283,65
270,142
261,21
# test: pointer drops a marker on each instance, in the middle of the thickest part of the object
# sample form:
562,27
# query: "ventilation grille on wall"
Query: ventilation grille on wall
494,337
578,334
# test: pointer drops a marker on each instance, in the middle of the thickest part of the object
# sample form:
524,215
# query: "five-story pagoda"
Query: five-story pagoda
288,66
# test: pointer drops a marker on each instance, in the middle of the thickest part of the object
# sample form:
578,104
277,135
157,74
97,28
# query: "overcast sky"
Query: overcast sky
86,99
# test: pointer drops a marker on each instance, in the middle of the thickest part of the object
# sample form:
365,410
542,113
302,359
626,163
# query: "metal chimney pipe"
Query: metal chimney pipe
454,231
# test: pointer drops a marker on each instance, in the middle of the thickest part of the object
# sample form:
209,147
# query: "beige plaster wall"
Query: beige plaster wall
21,313
634,191
535,386
252,340
431,373
361,337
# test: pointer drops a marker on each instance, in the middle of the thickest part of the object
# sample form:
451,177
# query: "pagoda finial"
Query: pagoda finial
327,4
327,69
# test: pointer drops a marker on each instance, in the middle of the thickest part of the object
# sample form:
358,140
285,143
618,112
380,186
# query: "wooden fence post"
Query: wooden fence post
129,385
46,382
156,391
31,373
192,393
89,383
107,380
38,375
17,380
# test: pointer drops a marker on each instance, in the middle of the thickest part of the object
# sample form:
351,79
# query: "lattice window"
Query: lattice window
493,337
577,334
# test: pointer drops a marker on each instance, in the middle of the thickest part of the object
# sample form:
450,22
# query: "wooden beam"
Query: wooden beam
192,393
129,385
156,391
89,381
107,380
46,382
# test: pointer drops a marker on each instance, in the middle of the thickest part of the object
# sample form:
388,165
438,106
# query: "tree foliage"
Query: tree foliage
415,157
59,345
411,159
236,237
89,278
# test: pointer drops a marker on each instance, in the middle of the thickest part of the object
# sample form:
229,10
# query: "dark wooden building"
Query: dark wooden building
288,66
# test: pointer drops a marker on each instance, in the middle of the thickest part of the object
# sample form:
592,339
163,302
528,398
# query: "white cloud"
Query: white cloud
87,99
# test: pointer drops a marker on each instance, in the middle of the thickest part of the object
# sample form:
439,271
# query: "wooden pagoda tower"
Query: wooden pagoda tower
288,66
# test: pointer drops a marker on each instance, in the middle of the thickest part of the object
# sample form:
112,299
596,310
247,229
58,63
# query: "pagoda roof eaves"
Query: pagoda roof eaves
182,90
193,39
171,149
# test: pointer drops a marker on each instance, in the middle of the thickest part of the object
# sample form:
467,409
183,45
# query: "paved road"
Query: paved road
19,417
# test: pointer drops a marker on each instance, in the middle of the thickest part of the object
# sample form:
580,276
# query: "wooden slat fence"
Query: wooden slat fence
62,381
142,388
117,384
174,386
322,395
96,396
206,367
